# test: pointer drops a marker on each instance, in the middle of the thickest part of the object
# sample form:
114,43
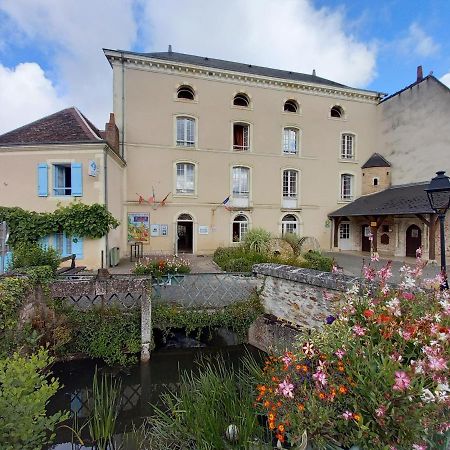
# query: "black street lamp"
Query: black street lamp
438,192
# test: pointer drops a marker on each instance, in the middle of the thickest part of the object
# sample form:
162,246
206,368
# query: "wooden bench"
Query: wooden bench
72,269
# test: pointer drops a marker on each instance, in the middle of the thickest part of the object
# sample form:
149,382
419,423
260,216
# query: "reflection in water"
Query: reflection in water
142,385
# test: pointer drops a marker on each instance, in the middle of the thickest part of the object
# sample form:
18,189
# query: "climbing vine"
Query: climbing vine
77,219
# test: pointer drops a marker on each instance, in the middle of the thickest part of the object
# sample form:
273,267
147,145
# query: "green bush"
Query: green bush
257,240
318,261
295,241
25,391
32,255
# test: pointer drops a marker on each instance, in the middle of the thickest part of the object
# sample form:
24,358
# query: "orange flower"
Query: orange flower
322,396
280,437
271,417
342,389
357,417
266,404
368,313
281,428
301,407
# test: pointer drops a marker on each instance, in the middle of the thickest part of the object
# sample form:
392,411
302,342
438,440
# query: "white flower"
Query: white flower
427,396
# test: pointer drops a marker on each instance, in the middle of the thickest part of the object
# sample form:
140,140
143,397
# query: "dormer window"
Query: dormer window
185,92
337,112
291,106
241,99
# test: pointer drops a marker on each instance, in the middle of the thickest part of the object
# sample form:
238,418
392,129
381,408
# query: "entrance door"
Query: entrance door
365,241
413,240
344,236
185,234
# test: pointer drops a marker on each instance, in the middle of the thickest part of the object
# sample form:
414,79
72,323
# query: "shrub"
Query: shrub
257,240
160,267
317,261
24,394
295,241
32,255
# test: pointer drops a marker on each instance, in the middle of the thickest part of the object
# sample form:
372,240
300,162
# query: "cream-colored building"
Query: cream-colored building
281,149
60,159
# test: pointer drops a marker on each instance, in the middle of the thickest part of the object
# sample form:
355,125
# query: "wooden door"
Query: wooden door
413,240
365,241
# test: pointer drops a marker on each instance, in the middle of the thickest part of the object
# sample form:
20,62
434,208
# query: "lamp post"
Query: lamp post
438,192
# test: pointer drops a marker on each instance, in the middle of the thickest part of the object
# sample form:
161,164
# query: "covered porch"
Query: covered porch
393,222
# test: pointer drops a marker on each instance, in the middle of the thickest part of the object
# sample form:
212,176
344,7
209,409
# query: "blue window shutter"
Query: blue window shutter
77,179
77,247
44,242
8,260
43,180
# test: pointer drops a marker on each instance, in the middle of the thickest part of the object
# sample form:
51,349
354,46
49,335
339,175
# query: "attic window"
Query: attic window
241,100
337,112
185,92
291,106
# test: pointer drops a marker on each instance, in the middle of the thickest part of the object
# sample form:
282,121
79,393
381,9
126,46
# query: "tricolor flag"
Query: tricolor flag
225,202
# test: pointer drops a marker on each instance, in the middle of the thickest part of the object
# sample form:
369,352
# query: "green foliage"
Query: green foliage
28,254
77,219
295,241
257,240
237,317
158,268
24,394
110,334
318,261
201,413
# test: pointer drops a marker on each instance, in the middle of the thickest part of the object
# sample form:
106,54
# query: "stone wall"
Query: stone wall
293,299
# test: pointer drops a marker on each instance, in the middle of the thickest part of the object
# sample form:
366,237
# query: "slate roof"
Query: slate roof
68,126
396,200
238,67
376,160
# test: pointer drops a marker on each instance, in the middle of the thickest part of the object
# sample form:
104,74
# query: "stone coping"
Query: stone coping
326,280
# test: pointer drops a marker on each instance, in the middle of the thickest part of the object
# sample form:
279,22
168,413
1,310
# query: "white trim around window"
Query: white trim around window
343,116
183,134
348,145
291,136
244,143
290,223
240,185
240,224
346,186
290,187
185,178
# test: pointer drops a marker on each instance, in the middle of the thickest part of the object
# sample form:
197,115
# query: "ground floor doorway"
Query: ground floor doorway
185,234
365,238
413,240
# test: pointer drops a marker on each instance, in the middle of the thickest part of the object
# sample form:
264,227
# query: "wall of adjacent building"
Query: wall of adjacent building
414,135
150,110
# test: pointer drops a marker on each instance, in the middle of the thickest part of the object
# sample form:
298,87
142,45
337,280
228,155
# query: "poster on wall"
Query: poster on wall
164,230
138,227
154,229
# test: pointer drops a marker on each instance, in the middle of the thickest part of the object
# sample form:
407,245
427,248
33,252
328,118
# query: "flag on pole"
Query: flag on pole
225,202
163,201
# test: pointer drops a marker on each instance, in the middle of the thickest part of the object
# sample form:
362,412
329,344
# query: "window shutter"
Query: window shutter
77,179
43,242
43,180
77,247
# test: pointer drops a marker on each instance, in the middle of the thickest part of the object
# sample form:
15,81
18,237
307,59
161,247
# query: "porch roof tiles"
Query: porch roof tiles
396,200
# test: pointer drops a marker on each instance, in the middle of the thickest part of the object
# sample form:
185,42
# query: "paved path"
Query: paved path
352,263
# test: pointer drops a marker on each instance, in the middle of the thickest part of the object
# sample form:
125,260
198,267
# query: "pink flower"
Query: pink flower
375,257
436,363
402,381
285,388
320,377
380,411
308,349
358,330
369,273
287,360
340,353
419,447
347,415
407,295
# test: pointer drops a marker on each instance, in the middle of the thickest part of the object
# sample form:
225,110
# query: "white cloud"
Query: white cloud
417,42
288,34
72,34
446,79
25,95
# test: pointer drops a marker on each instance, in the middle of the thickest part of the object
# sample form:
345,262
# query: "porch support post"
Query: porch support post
337,221
374,230
431,224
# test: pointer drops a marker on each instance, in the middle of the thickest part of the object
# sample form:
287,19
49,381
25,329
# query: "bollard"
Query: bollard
146,321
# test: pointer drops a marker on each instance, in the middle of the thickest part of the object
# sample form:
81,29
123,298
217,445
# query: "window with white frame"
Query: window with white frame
241,137
185,178
346,186
290,141
239,227
290,178
62,179
347,146
241,181
289,224
344,231
185,132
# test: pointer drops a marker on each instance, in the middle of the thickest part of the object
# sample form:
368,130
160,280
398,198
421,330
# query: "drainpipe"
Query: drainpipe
123,107
105,177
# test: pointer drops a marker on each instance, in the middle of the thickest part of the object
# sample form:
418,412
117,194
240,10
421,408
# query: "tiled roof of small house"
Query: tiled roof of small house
376,160
68,126
396,200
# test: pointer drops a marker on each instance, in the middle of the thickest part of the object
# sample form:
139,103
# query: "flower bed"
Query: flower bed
158,268
376,375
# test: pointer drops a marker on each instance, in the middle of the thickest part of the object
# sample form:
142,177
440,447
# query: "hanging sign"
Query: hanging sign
138,227
92,169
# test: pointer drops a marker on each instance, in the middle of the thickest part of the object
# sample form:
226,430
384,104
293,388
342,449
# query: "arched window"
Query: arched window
290,183
185,218
290,141
185,178
241,99
291,106
185,132
346,186
240,227
185,92
337,111
289,224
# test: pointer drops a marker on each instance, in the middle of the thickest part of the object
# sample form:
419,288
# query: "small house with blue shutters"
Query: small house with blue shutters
60,159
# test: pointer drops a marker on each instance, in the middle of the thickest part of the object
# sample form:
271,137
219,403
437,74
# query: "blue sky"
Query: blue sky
51,57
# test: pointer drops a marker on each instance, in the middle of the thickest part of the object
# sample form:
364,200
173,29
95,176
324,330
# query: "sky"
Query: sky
51,50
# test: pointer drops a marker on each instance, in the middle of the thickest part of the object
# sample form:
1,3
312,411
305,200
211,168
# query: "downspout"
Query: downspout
123,107
105,170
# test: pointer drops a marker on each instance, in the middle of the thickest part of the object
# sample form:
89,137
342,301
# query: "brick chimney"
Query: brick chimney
419,74
112,133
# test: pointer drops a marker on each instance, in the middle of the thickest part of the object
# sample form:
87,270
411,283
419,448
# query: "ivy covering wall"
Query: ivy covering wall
77,219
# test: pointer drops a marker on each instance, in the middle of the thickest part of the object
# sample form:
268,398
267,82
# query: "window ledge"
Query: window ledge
294,155
338,119
184,100
179,195
341,201
242,108
288,113
348,161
